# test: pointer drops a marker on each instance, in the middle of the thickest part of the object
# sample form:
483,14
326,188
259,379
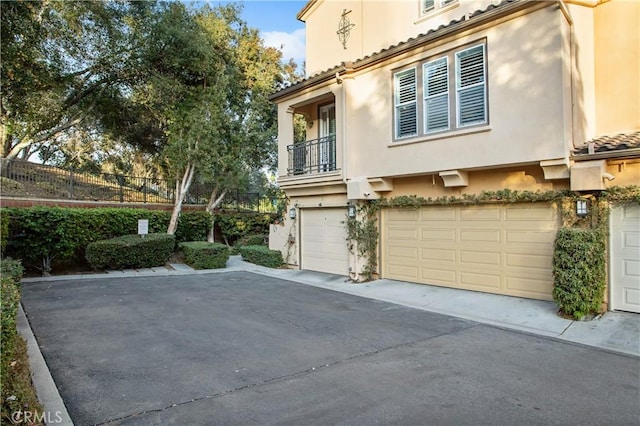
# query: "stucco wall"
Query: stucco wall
527,110
617,66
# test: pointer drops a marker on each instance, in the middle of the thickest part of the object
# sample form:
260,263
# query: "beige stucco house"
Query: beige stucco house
453,98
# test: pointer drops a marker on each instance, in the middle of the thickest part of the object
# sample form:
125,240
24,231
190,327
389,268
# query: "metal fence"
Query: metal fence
31,180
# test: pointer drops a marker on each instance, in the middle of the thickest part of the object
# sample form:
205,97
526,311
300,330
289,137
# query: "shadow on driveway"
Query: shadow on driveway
240,348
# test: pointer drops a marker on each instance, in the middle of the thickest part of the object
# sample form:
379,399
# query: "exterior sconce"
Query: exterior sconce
292,213
581,207
351,211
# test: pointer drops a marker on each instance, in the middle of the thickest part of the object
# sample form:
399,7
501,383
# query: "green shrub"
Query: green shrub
193,225
11,268
261,255
131,251
59,236
252,240
236,225
579,270
17,390
204,255
4,229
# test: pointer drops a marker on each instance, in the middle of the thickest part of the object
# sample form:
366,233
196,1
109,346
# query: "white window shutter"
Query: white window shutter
406,103
436,95
471,86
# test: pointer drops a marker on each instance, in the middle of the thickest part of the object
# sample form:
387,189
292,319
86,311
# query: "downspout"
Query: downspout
572,58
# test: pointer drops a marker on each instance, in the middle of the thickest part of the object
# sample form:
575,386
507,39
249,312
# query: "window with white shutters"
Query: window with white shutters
470,86
452,89
436,95
406,103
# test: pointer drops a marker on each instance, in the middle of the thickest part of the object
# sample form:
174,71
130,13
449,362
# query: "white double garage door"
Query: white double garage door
503,248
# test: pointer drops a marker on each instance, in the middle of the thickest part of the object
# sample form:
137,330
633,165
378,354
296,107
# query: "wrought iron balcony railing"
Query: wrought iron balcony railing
314,156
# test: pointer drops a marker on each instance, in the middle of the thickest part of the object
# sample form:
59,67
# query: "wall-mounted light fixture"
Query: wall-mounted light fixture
292,213
582,208
351,210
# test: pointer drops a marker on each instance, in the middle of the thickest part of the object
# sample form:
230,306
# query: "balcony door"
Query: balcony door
326,145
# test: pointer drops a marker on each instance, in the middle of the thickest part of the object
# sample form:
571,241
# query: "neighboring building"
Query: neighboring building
441,98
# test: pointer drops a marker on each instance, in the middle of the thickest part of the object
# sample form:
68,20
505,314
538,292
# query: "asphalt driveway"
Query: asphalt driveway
242,348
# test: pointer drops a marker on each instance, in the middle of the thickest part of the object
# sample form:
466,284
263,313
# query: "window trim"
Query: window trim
453,103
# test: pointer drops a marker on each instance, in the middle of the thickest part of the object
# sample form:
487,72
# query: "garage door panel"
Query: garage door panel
410,253
438,255
504,249
403,233
631,296
404,272
529,286
439,276
438,234
323,241
625,258
529,260
474,280
447,214
545,238
488,235
631,240
530,213
399,215
480,258
632,267
491,214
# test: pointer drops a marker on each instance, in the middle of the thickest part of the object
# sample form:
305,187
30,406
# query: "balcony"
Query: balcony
314,156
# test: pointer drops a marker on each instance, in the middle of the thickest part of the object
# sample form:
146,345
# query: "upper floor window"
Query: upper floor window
453,93
428,6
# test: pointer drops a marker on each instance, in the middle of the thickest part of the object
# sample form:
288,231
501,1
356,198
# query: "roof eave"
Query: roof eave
621,154
462,25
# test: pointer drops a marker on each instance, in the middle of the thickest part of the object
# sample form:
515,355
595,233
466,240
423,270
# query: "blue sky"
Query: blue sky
276,20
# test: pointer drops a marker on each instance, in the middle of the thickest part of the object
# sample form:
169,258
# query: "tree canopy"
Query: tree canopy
84,82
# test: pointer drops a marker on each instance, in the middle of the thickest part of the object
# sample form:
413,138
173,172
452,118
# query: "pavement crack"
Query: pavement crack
295,374
566,328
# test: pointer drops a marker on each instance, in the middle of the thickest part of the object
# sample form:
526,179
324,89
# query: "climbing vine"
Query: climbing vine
363,230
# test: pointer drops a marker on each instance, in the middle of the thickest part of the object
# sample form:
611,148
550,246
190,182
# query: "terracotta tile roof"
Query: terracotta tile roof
420,38
602,144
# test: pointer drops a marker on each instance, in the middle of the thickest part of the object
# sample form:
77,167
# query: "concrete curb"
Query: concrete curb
48,395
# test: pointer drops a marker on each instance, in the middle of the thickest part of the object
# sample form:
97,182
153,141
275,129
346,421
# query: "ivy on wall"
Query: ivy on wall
363,229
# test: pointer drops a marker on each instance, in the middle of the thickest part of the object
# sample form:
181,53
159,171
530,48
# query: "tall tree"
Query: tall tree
221,124
59,60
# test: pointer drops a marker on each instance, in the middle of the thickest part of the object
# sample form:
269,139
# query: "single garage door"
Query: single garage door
504,249
323,240
625,258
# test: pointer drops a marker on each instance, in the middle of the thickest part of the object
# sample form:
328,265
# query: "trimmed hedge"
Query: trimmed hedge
204,255
579,270
17,390
131,251
237,225
60,235
261,255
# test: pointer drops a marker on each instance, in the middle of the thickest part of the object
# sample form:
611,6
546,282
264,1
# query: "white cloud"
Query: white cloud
291,44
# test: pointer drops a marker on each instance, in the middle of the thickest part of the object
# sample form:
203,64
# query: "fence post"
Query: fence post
144,190
121,189
71,195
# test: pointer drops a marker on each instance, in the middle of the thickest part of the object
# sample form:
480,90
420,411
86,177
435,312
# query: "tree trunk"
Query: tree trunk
182,186
214,202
